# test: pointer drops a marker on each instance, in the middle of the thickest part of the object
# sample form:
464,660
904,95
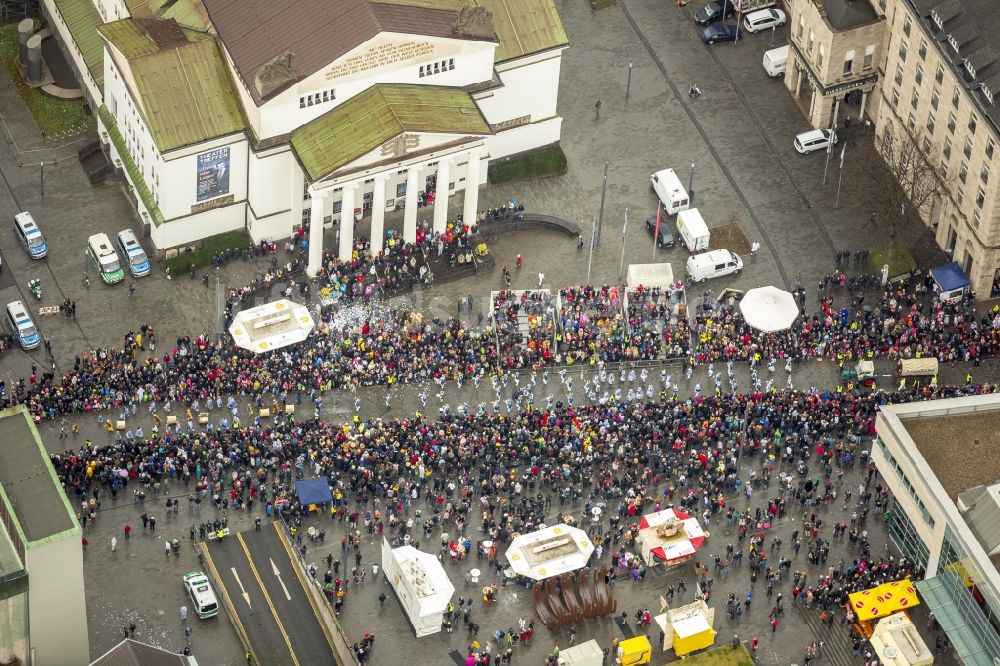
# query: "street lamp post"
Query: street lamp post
600,214
628,85
691,184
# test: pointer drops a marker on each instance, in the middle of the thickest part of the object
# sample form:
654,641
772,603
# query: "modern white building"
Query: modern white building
43,613
263,114
939,460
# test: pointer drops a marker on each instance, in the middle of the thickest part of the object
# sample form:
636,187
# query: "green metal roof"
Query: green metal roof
182,85
378,114
141,188
82,19
189,13
522,26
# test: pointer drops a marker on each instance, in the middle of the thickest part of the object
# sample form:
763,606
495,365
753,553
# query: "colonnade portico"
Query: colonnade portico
321,195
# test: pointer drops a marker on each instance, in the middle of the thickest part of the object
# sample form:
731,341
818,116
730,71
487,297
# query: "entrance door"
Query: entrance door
366,201
431,183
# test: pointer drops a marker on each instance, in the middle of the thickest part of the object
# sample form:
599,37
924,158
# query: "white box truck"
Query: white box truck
692,230
775,61
670,191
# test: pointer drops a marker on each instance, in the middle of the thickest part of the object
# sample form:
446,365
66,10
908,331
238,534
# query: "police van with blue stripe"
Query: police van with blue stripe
135,256
30,235
21,324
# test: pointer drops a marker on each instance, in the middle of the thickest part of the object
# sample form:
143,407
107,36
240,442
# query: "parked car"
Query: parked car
712,12
664,238
813,140
722,32
764,19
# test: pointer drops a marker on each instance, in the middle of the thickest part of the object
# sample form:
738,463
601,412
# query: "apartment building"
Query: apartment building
920,70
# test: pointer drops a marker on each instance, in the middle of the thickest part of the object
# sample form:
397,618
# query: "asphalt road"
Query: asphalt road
271,606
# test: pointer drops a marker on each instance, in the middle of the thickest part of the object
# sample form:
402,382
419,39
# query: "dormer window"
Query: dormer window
969,68
953,42
937,20
986,93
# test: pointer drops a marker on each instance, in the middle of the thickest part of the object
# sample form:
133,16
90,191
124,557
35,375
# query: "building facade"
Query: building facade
939,514
43,613
217,125
924,71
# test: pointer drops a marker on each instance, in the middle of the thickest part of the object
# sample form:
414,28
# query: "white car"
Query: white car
763,19
813,140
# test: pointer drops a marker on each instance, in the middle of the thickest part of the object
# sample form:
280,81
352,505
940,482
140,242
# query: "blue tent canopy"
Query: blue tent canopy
314,491
950,276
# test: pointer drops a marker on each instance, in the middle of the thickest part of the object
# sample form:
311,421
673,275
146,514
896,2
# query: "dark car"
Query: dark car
713,12
718,33
665,238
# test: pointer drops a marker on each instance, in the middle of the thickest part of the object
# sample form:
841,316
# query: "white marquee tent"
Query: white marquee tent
271,326
551,551
421,584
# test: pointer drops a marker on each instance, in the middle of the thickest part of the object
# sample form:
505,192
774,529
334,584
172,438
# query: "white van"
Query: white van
21,325
692,230
716,263
671,192
200,592
30,235
775,61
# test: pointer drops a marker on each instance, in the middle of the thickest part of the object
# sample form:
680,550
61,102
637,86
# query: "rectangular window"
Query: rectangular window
930,125
821,54
976,219
952,123
802,27
990,147
963,172
422,71
895,99
984,174
980,198
927,145
935,98
939,74
899,75
907,24
967,150
947,148
302,102
943,170
848,63
911,122
922,51
903,48
920,75
956,97
869,57
451,63
972,123
914,98
812,39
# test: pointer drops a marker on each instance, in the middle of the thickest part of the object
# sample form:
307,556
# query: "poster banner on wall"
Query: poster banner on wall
213,174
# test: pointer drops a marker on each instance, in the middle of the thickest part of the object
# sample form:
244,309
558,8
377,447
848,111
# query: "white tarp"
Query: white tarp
898,643
421,584
649,276
584,654
551,551
271,326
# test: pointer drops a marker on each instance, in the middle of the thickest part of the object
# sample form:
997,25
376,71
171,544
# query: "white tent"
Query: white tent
769,309
421,584
649,276
551,551
898,643
584,654
271,326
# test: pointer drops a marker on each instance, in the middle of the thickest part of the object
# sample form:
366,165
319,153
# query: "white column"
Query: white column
836,110
410,212
316,233
864,100
441,197
471,205
378,214
347,221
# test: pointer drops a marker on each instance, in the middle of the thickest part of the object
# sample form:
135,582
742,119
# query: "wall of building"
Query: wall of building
57,612
919,97
356,71
91,90
188,230
524,138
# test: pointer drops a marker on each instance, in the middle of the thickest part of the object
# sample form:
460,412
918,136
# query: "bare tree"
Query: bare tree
899,187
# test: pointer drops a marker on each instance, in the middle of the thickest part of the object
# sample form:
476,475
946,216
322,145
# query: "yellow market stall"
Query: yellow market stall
881,600
898,643
687,628
634,651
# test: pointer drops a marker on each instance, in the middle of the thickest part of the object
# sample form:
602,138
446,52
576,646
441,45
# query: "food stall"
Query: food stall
634,651
584,654
551,551
669,537
421,584
951,280
687,628
897,642
880,601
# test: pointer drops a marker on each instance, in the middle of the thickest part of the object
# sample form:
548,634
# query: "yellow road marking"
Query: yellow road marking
267,598
233,615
